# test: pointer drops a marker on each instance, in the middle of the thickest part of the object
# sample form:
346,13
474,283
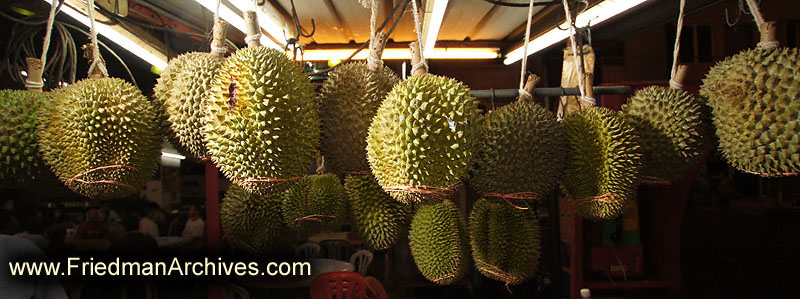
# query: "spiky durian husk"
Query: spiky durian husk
505,241
20,163
316,201
164,89
423,135
672,126
603,162
261,119
254,222
755,97
438,242
181,91
100,137
348,100
521,149
378,218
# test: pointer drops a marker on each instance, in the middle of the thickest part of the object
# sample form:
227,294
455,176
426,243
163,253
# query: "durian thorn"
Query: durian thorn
779,174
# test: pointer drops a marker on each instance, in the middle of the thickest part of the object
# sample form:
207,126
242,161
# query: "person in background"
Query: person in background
13,249
108,214
59,247
94,227
134,242
146,226
33,230
194,229
155,213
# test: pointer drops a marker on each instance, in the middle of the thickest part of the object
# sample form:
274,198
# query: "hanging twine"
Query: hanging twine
446,276
524,68
496,271
526,196
264,184
580,72
218,34
314,217
418,28
96,58
605,198
767,29
375,41
36,66
673,83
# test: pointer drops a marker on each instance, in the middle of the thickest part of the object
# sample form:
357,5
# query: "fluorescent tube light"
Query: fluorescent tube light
120,36
594,15
173,156
402,53
434,24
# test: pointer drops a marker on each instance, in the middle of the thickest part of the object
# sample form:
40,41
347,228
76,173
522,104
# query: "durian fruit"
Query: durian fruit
672,126
439,242
100,137
755,97
254,222
377,217
182,89
505,240
348,100
315,202
521,150
19,150
422,137
262,128
603,162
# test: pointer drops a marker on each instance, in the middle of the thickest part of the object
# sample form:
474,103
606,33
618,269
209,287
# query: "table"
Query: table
318,266
349,236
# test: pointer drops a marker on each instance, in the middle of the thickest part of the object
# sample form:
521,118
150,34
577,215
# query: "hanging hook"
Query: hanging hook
299,28
577,12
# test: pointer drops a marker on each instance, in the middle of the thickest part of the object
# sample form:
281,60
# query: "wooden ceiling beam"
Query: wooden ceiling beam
344,28
486,17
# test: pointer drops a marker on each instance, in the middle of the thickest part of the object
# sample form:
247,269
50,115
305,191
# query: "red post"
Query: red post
213,228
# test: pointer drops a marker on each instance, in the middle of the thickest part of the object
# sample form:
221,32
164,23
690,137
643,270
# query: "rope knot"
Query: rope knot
252,38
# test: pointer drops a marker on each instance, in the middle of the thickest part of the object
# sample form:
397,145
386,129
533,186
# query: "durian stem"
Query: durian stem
376,45
768,40
218,43
95,69
587,100
251,29
34,81
676,82
418,66
531,83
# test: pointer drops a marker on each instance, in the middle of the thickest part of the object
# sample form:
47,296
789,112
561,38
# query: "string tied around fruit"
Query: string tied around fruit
263,183
426,191
314,217
509,198
81,177
506,277
446,276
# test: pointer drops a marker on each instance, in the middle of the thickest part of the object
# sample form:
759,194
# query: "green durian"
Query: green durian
603,162
755,98
254,222
348,100
505,241
181,91
315,202
100,137
20,163
262,126
377,217
423,136
672,127
439,242
521,149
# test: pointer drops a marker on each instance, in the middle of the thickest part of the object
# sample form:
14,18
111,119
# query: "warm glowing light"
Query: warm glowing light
120,36
402,53
434,24
594,15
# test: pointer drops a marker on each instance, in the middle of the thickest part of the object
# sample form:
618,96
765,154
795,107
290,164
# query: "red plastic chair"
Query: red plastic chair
375,288
339,285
